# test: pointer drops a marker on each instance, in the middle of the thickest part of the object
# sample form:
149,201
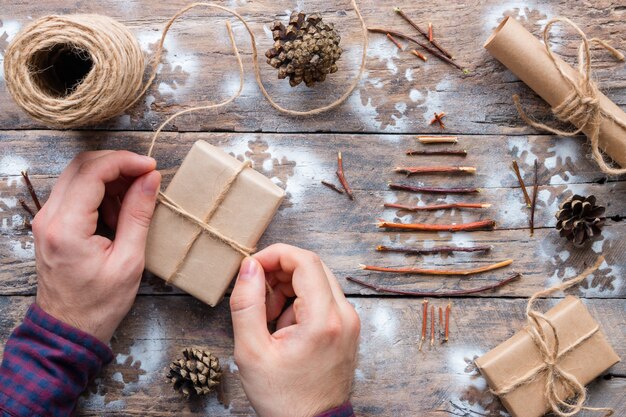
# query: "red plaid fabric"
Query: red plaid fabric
46,366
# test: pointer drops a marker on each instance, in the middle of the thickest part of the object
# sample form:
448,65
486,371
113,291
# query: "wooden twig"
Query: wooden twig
342,177
428,227
415,41
441,327
432,326
439,119
445,272
427,140
448,308
332,186
395,42
426,35
430,33
438,206
419,55
446,294
31,190
435,170
433,190
424,323
534,202
451,152
434,249
434,119
521,183
26,208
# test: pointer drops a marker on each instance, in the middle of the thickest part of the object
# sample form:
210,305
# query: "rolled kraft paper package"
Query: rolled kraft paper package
204,267
526,57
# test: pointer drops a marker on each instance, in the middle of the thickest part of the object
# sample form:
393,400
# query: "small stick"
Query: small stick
427,227
26,208
452,152
447,329
435,170
419,55
446,272
437,139
434,249
446,294
31,190
534,202
430,32
415,41
432,326
438,206
332,186
433,190
441,331
395,42
412,23
434,119
521,183
342,177
424,323
439,119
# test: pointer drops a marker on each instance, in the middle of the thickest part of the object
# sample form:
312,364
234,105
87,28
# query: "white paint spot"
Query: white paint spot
11,27
415,95
22,250
12,165
408,74
379,49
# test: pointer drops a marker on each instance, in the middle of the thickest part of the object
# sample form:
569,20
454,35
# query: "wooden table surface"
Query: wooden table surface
394,101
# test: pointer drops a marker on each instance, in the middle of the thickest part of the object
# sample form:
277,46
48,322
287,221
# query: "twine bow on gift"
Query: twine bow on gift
556,377
582,106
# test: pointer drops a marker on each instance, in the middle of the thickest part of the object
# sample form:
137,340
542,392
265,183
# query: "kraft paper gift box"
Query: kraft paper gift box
191,257
583,352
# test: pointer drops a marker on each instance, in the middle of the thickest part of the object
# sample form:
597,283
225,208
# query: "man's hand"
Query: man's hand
307,365
83,279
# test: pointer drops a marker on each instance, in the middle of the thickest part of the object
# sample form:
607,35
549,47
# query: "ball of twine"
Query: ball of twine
69,71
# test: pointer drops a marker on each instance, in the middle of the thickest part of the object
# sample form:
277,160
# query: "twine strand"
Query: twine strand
550,355
582,106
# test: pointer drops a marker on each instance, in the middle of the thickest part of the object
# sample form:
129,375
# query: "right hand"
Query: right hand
307,365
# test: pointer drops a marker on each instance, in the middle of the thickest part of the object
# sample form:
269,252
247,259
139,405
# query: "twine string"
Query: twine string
556,377
582,106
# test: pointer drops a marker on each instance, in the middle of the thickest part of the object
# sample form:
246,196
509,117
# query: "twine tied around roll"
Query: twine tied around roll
581,107
550,356
111,68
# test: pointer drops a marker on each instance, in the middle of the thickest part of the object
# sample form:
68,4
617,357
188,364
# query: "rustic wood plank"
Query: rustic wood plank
347,236
392,377
399,93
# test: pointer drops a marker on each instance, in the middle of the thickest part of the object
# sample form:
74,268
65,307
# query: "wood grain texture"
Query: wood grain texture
347,235
399,92
392,378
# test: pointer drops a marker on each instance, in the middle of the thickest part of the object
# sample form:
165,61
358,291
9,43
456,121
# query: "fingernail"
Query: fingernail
151,183
248,268
149,159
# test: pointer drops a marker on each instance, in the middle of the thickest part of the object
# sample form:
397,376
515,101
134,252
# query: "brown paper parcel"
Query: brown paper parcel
583,351
526,57
205,268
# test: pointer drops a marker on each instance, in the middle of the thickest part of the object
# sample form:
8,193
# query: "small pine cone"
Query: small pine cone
197,372
306,49
579,219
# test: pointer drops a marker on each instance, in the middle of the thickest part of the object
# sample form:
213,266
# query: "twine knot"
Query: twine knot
582,106
556,377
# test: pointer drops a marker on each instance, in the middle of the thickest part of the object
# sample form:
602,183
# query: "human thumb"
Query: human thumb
247,305
136,214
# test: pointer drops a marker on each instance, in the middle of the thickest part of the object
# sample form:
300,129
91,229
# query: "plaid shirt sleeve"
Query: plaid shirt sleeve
344,410
46,366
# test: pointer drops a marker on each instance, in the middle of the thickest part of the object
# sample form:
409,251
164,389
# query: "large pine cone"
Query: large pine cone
579,219
306,50
198,371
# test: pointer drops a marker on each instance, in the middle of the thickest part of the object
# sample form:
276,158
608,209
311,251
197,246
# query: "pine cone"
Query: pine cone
579,219
306,50
199,371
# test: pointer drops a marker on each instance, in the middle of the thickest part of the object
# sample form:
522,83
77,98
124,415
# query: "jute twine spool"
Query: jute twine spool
69,71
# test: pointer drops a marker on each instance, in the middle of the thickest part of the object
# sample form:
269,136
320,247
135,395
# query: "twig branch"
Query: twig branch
446,294
438,206
434,249
521,183
427,140
424,323
534,202
428,36
426,227
342,177
435,170
446,272
31,190
452,152
433,190
332,186
395,42
26,208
